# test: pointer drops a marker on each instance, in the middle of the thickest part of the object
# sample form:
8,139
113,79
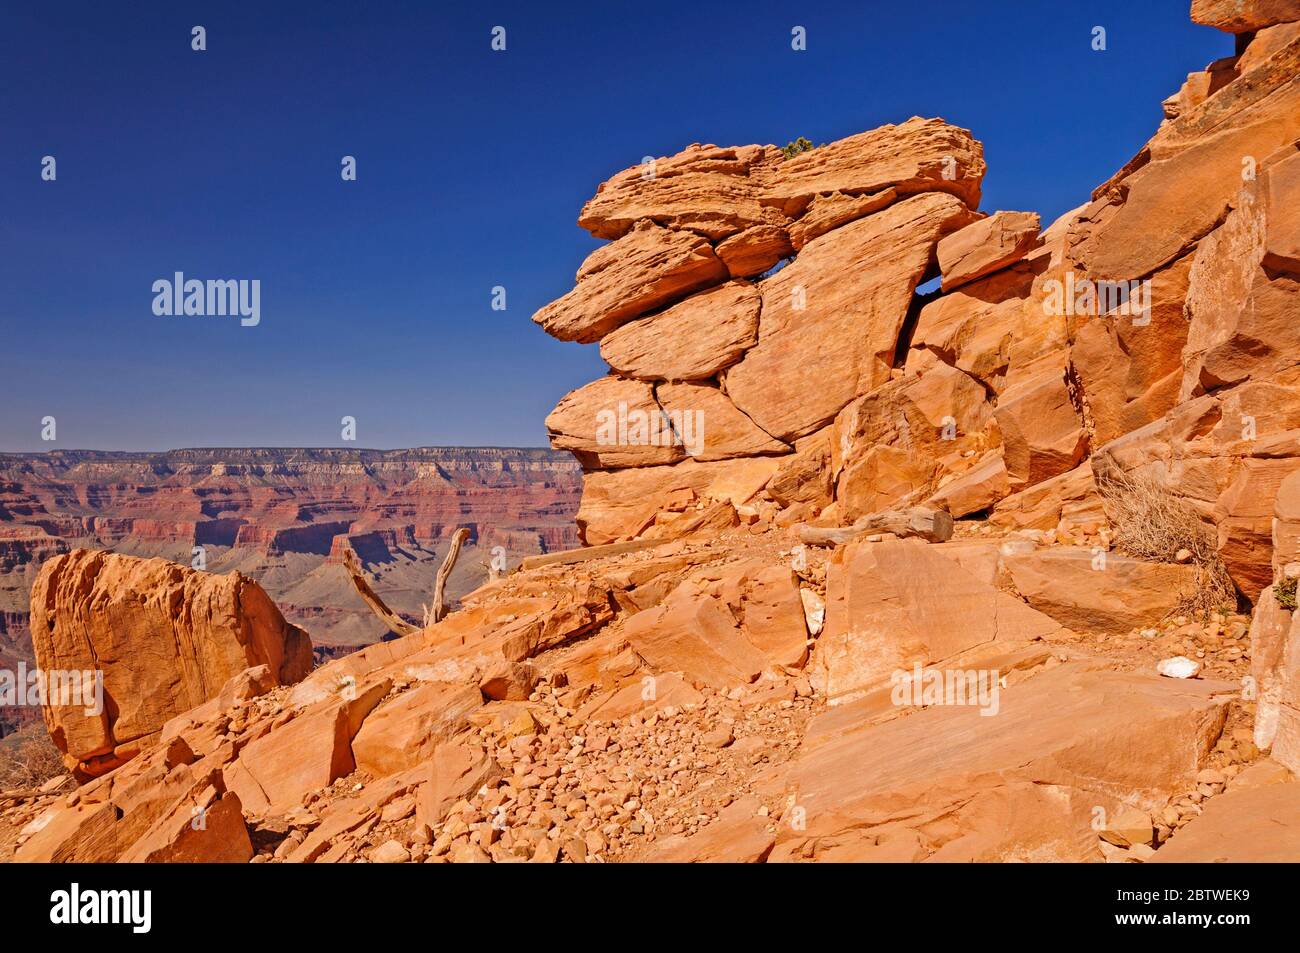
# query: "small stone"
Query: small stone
390,852
1128,826
1178,667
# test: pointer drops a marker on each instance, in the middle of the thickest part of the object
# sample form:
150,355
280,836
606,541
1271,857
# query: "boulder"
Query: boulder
1100,592
647,268
920,155
693,633
754,250
1244,16
897,441
706,189
508,681
405,730
974,490
166,638
848,294
986,246
612,423
947,784
1042,435
711,426
314,749
454,772
834,209
692,340
897,604
622,504
208,830
973,327
723,627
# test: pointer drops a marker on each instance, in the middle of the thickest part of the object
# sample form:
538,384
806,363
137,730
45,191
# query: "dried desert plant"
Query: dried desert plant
28,762
1151,522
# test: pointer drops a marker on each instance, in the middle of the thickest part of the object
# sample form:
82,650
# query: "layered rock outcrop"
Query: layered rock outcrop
702,344
1046,360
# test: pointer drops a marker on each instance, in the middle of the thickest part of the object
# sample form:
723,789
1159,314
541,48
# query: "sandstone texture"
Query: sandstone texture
1003,571
165,638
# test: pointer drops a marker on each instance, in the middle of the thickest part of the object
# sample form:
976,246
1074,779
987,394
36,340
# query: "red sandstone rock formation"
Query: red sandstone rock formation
693,685
163,638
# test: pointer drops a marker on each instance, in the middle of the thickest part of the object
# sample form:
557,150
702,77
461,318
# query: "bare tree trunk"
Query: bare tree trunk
390,618
439,609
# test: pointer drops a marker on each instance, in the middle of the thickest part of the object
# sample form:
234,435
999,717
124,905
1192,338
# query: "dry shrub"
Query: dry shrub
1153,523
28,759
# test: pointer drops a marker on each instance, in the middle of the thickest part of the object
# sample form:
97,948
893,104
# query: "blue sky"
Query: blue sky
472,166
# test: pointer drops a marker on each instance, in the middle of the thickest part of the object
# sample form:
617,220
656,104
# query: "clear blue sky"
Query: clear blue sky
472,166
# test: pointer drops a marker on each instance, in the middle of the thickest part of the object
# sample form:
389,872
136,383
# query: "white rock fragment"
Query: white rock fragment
1178,667
814,610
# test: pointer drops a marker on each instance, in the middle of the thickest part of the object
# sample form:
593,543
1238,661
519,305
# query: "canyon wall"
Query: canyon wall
284,517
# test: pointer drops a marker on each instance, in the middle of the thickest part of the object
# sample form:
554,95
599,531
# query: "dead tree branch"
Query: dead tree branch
390,618
439,610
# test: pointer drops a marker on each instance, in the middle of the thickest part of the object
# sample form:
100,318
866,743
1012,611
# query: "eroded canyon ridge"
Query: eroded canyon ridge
1002,571
284,518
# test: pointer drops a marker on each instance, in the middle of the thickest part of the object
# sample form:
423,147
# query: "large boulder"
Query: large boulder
920,155
648,267
613,422
724,627
1244,16
624,504
165,638
986,246
713,191
692,340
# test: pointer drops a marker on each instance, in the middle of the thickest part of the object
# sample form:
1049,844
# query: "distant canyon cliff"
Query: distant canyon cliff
284,517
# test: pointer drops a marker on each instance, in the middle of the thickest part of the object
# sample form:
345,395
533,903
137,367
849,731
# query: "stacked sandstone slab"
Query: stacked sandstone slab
1151,330
690,319
166,638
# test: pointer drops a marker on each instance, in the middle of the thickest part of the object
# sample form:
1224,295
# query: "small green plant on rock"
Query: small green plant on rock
1284,592
799,145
